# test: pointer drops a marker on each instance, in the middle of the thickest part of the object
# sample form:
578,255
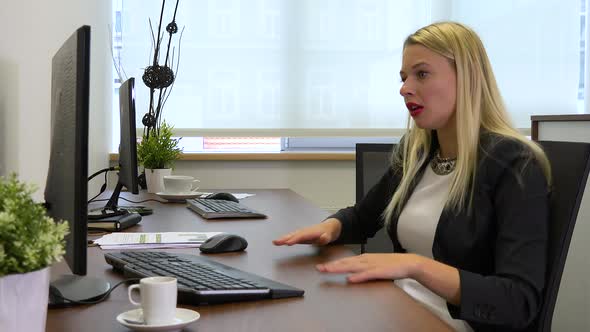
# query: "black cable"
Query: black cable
130,201
104,170
100,299
102,188
146,200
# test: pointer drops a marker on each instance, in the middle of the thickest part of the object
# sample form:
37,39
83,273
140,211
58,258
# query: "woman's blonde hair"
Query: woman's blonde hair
479,106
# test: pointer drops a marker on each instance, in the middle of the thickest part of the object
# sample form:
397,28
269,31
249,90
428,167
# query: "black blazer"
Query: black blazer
499,248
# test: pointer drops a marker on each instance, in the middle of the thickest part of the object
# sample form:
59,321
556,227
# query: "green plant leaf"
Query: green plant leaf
29,239
159,149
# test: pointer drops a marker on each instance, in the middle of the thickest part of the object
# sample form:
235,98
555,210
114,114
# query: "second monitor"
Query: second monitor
127,170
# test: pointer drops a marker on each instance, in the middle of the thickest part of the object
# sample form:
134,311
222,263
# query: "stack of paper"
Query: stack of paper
153,240
236,195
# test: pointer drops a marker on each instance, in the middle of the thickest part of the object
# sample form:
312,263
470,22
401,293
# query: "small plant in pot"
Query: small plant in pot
30,241
157,152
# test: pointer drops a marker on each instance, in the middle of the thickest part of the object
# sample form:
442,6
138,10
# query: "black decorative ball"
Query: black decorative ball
148,120
172,28
158,77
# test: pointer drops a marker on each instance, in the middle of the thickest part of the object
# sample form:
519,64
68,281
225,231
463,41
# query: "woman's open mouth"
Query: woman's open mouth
415,109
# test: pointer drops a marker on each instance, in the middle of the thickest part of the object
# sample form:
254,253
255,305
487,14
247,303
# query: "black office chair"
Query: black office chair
570,163
372,161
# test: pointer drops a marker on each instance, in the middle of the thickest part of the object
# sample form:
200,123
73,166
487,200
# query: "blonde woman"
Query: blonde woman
465,201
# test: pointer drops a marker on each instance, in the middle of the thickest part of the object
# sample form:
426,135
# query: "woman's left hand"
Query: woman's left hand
367,267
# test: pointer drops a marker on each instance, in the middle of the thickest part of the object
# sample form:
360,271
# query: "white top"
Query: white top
415,230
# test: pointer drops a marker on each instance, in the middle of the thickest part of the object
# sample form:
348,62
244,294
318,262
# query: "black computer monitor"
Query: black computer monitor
128,175
66,190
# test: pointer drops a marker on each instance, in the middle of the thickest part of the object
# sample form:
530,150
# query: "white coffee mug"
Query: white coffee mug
180,184
158,299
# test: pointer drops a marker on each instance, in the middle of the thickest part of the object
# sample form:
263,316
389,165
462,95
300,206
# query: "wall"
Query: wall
8,115
32,31
328,184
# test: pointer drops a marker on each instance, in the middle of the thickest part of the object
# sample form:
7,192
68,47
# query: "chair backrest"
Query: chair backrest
372,161
570,164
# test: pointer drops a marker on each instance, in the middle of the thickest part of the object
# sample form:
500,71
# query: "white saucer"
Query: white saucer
179,196
131,319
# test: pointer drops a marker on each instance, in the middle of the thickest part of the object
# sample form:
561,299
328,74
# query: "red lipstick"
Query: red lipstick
415,109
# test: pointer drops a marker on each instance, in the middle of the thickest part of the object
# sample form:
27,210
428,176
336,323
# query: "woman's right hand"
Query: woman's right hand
320,234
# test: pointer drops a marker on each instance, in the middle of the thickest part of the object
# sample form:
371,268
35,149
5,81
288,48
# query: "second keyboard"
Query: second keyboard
217,208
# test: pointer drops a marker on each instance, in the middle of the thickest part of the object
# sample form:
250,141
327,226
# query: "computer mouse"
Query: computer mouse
224,196
223,243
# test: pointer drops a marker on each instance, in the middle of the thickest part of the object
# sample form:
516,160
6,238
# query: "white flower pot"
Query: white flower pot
154,179
23,301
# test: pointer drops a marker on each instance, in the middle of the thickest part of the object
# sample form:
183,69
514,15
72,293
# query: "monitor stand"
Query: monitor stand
76,288
112,210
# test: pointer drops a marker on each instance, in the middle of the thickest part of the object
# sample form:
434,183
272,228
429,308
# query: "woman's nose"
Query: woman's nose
406,89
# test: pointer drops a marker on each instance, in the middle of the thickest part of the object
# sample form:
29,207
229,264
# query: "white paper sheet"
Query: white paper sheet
236,195
124,240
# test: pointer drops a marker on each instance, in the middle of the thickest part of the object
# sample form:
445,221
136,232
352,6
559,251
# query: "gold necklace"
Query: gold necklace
442,166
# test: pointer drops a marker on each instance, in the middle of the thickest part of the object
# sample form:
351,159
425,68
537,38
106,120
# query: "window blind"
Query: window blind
330,66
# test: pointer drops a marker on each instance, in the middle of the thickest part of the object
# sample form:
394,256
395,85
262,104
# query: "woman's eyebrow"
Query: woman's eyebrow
421,63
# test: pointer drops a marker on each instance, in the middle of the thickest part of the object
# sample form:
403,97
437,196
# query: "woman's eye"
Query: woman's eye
422,74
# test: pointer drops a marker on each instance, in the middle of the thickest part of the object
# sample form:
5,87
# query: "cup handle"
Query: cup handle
129,290
193,184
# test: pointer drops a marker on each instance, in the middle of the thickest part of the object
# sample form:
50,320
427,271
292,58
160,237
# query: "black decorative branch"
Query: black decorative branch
160,77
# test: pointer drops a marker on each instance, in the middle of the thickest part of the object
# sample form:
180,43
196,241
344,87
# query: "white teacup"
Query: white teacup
180,184
158,299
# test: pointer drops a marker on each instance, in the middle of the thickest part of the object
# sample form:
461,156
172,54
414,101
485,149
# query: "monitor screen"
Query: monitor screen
66,190
128,144
127,170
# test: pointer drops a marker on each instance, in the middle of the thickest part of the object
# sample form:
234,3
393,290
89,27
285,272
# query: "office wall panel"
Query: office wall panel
32,31
8,103
328,184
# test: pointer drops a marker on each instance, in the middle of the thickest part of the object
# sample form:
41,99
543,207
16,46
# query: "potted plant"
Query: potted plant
157,152
30,242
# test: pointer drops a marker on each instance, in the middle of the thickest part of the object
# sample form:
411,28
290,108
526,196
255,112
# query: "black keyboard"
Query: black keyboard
200,280
217,208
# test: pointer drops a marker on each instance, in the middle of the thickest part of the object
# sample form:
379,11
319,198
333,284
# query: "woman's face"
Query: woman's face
429,87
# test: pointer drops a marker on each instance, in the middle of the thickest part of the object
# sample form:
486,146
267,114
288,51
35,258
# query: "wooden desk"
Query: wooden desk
329,303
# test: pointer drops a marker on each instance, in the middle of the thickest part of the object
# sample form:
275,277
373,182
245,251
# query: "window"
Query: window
310,71
582,56
536,60
231,144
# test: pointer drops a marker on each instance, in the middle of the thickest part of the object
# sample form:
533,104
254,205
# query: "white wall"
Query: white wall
9,116
327,184
32,31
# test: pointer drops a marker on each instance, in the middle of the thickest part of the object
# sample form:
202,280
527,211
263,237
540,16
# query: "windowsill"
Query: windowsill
306,155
